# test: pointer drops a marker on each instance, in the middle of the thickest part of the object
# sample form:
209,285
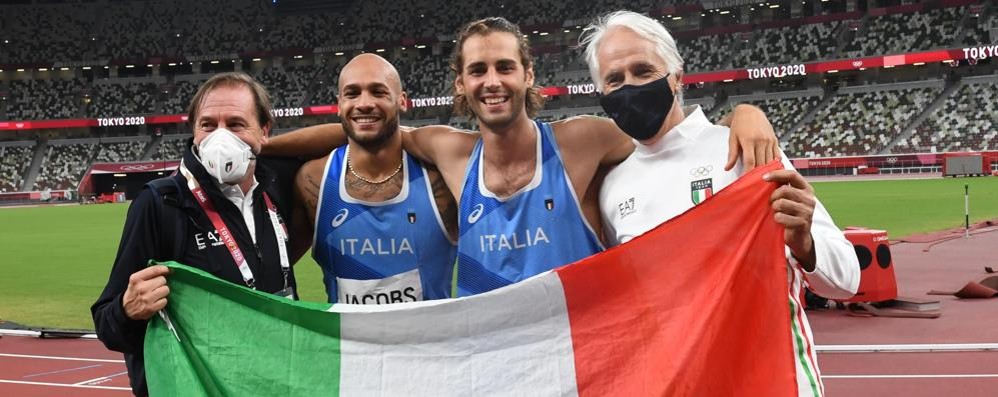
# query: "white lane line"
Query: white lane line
36,334
60,371
96,360
21,382
101,379
915,347
927,376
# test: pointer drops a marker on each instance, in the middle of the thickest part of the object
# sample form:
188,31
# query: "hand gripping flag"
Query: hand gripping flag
695,307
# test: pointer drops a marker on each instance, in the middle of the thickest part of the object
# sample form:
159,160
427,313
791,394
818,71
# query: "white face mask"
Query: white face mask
225,156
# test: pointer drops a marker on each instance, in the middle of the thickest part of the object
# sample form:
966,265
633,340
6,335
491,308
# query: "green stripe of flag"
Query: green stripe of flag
216,328
801,355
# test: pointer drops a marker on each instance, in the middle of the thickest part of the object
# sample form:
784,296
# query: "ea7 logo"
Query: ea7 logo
202,240
626,207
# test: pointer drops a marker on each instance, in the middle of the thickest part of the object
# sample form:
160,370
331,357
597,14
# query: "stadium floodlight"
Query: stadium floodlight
888,66
725,12
214,62
107,67
544,33
172,64
862,68
129,66
149,65
774,6
918,63
20,70
833,71
64,69
43,69
86,68
728,80
338,53
676,18
567,31
178,34
257,59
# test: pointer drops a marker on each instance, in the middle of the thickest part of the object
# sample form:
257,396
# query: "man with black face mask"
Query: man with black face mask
635,64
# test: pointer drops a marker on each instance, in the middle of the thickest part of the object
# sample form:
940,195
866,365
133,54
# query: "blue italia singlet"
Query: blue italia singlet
539,228
385,252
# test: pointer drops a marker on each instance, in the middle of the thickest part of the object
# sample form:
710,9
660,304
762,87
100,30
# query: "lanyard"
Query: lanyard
226,235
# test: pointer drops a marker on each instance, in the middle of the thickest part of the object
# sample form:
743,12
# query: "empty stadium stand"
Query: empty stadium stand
62,59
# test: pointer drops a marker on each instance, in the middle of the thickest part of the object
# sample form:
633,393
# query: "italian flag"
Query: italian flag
695,307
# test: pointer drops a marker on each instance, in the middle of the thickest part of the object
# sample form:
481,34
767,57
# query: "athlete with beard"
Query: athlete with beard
528,190
383,224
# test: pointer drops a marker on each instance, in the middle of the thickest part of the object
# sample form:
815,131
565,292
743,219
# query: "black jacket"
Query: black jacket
143,239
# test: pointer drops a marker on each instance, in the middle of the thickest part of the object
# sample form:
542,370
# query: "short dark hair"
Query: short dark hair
261,99
534,101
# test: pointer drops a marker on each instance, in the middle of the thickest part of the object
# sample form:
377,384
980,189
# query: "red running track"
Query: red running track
60,367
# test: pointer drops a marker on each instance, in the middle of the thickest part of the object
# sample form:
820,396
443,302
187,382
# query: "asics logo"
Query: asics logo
340,217
477,213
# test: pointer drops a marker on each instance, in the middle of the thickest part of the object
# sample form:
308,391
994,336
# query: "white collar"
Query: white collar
234,192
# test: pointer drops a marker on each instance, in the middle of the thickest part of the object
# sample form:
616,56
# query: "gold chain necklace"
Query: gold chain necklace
355,174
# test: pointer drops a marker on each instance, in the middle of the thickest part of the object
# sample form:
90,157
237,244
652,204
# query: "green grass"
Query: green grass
905,207
56,259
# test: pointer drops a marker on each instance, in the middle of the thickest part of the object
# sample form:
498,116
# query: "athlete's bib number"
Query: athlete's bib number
402,287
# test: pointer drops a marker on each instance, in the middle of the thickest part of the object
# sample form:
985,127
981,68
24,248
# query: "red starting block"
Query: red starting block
877,282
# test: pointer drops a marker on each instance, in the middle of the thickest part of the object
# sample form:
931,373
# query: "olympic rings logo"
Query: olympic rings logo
701,171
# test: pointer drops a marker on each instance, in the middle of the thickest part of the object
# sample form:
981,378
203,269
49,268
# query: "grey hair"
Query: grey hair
650,29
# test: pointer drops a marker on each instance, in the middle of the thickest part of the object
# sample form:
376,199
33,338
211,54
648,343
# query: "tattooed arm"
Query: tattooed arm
308,183
446,205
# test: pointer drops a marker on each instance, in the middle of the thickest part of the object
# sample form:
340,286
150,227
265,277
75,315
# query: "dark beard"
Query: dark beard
379,140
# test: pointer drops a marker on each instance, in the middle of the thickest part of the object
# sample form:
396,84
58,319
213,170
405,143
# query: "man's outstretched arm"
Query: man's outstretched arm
307,143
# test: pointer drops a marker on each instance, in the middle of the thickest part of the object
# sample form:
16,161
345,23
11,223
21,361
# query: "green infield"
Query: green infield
57,259
908,206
